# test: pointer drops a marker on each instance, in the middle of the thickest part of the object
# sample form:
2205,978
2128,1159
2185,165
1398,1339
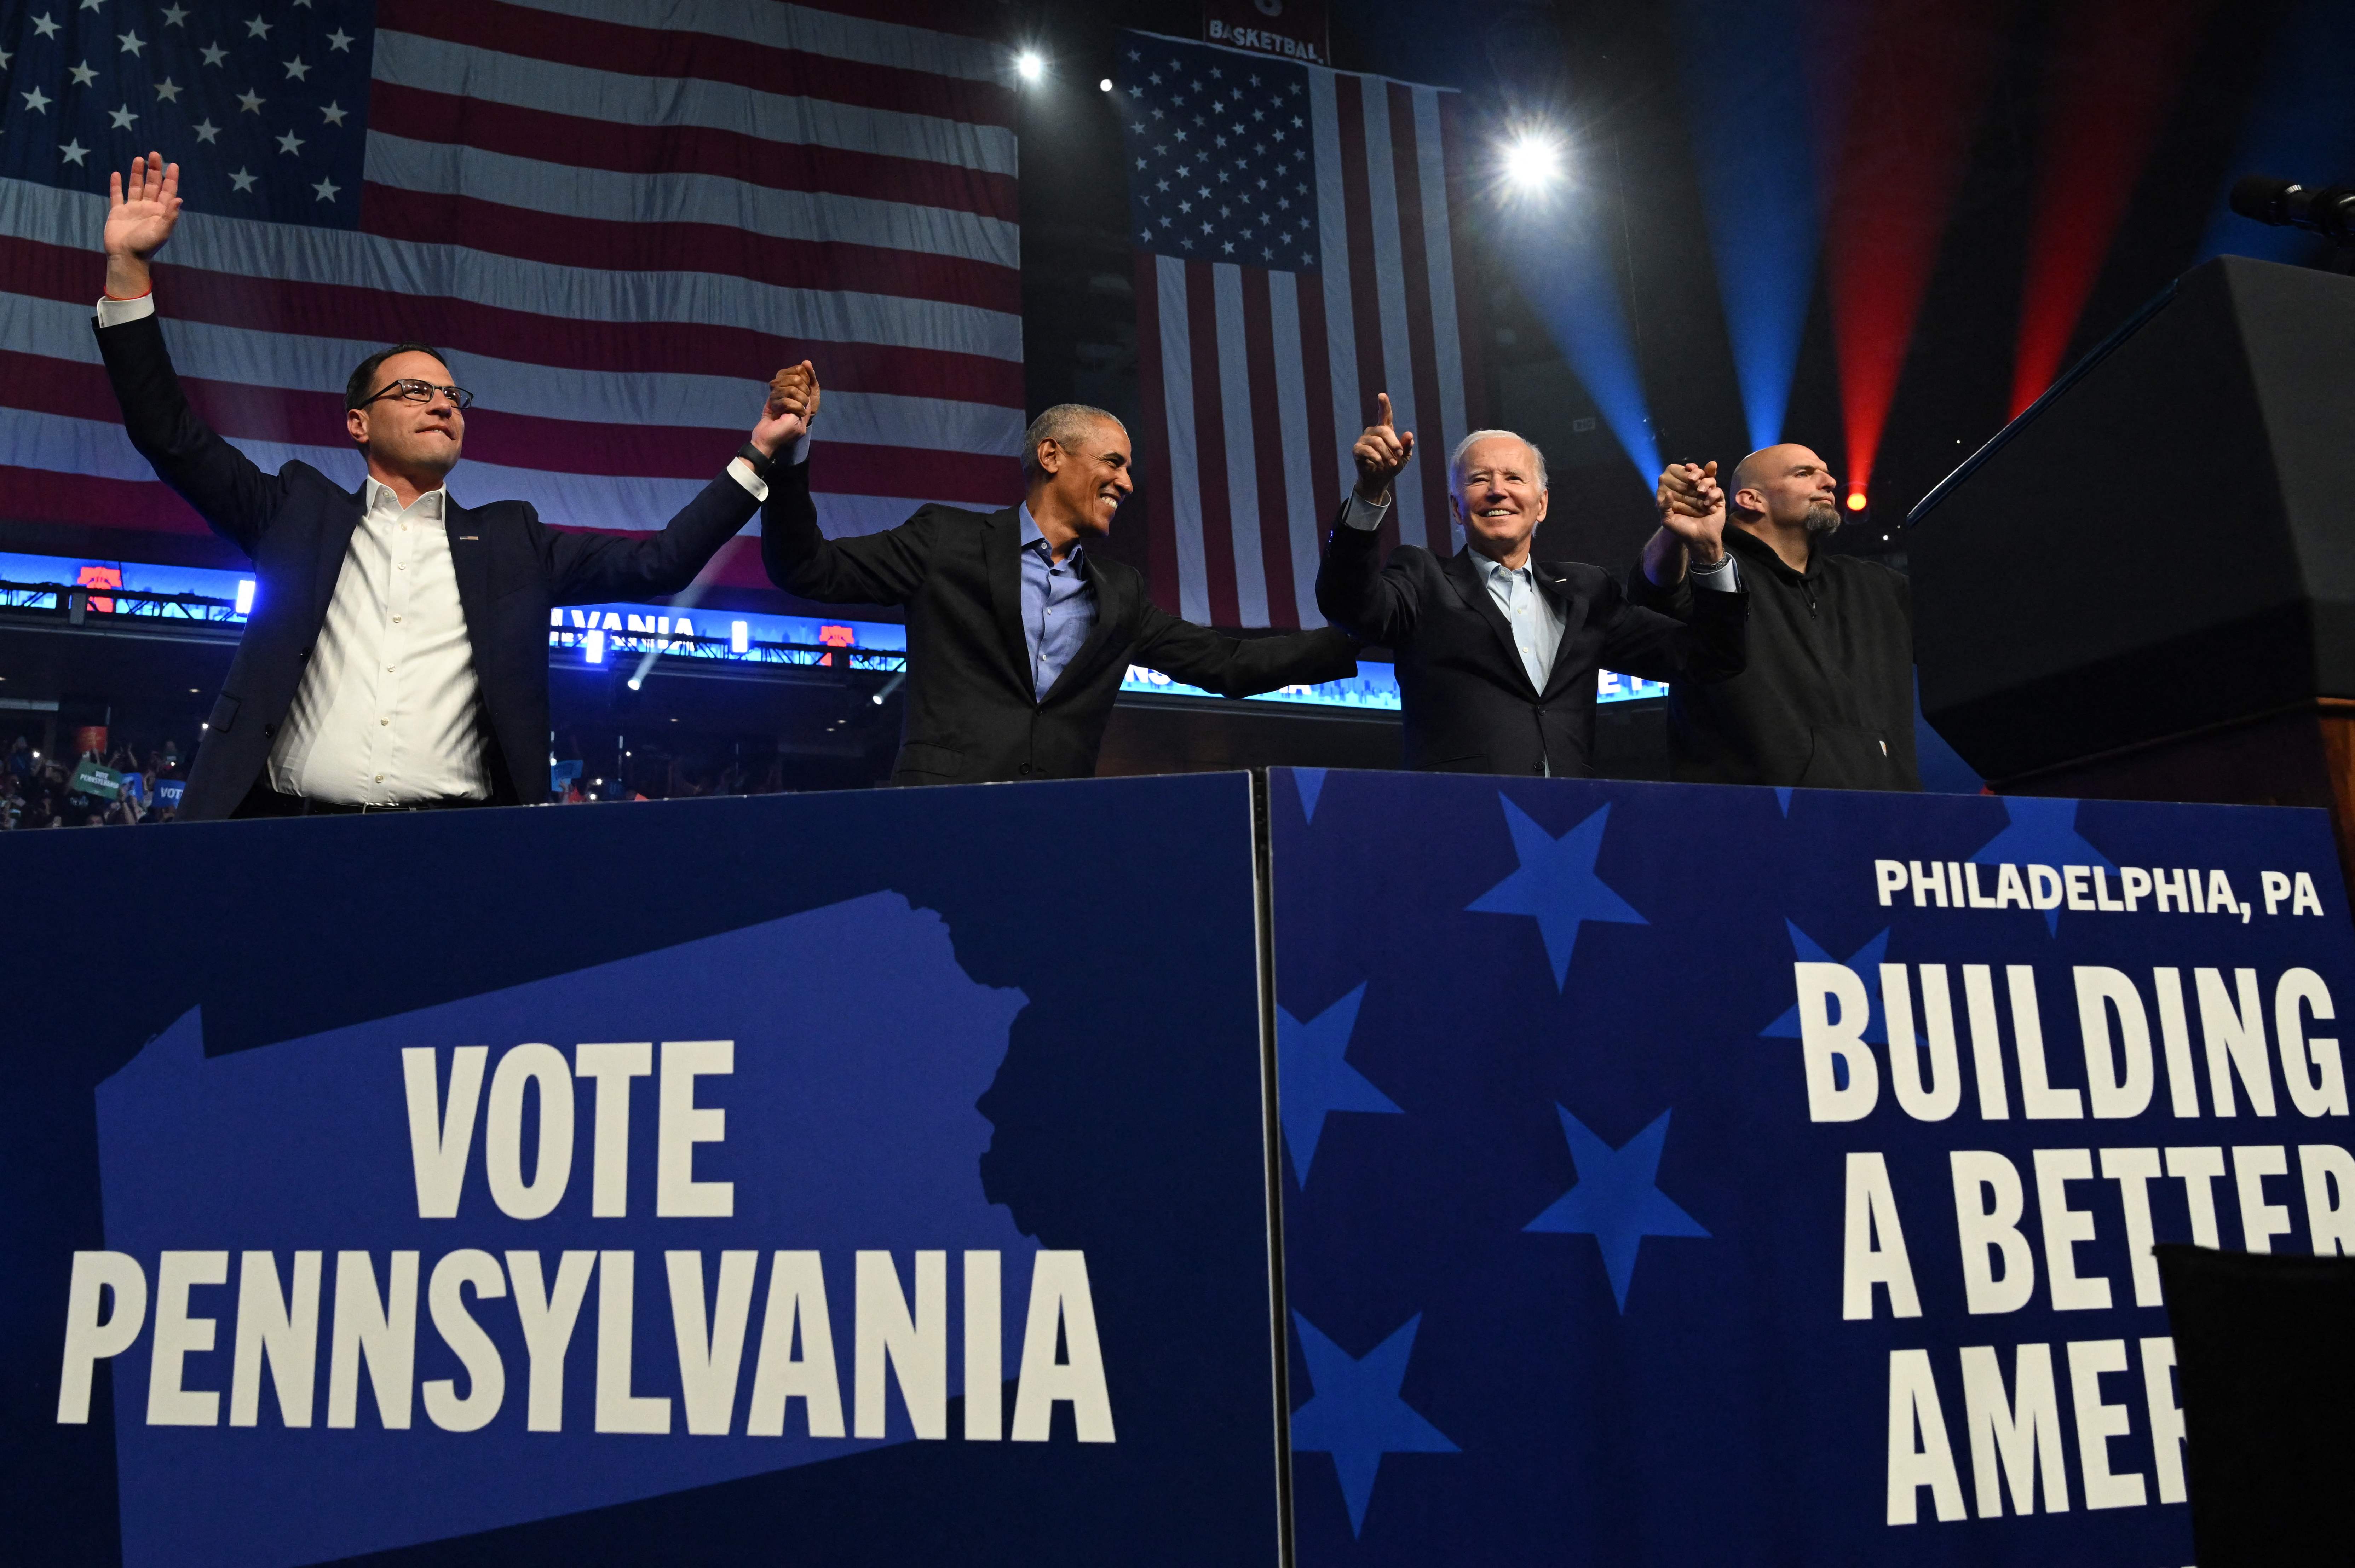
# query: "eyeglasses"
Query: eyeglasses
420,392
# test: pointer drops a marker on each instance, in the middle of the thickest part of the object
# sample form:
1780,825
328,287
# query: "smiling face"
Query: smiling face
422,439
1087,480
1497,495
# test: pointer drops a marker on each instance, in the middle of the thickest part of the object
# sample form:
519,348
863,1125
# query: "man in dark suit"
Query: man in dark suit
1496,651
396,654
1018,635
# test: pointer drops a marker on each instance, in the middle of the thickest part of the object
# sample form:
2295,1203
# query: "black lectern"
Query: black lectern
2144,587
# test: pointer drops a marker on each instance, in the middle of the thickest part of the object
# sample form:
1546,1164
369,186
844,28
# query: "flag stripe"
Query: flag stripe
1335,326
1465,305
1266,543
461,271
578,36
1364,326
1177,313
418,114
1218,558
862,36
1242,411
1439,269
633,100
1284,444
1389,295
1326,463
434,217
1161,507
1414,270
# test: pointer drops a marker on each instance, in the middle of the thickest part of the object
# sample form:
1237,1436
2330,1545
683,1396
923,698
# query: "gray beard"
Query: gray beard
1823,519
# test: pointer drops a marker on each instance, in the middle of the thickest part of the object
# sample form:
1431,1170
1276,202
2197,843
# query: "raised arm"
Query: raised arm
585,568
874,569
1353,587
237,499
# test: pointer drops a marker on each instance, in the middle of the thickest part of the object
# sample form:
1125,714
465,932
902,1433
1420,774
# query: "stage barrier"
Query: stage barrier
1686,1175
1667,1174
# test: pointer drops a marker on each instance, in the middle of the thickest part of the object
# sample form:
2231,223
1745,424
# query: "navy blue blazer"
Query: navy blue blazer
296,525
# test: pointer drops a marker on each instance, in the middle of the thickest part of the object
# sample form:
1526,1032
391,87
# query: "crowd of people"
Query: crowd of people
93,788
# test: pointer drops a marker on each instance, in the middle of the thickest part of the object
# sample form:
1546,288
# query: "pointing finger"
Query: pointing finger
1382,404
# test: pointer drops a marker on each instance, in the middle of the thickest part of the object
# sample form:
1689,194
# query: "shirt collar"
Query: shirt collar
1031,535
1491,568
1749,546
428,504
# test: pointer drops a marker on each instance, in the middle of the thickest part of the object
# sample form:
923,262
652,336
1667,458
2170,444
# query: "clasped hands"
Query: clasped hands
792,405
1692,507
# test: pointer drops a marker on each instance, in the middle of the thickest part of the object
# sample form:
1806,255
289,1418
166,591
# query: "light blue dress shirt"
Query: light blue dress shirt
1058,606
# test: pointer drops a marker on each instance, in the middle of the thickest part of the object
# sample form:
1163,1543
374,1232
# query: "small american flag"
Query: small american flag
617,216
1294,234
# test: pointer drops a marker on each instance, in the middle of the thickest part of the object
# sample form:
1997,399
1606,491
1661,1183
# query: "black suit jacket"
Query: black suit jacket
973,715
296,525
1469,704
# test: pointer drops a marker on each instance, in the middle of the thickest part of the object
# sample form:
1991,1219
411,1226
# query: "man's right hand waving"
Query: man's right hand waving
1380,453
140,214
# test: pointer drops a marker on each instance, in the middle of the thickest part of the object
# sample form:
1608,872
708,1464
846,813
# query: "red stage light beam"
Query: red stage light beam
1920,77
2116,66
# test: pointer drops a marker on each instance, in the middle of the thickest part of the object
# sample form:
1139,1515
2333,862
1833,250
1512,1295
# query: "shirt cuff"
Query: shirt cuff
741,472
1364,515
1722,578
114,313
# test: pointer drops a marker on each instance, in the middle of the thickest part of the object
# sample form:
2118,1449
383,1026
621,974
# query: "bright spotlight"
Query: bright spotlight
593,650
739,637
245,595
1533,161
635,682
1029,66
1103,84
1856,500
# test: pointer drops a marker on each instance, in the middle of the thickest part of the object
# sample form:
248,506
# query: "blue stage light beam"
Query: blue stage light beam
1747,101
1561,251
2298,129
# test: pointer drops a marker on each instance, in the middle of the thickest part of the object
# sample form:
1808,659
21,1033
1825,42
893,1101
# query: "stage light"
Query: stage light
1856,500
245,596
593,650
1532,162
1028,66
635,682
739,637
1103,84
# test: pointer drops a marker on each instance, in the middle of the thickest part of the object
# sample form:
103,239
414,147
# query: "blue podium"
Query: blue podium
1321,1168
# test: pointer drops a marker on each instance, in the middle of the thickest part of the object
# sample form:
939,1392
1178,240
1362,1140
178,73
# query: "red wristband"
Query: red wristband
126,299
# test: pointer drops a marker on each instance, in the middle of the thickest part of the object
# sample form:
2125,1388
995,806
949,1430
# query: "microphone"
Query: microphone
2330,212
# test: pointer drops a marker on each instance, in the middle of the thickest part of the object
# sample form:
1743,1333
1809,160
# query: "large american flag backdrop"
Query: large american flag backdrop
618,217
1294,229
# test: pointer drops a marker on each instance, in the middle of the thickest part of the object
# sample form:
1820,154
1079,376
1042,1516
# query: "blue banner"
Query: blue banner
1681,1174
858,1177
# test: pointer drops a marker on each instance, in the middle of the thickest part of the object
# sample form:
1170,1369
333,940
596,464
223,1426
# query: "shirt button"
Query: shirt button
395,620
379,778
392,666
384,720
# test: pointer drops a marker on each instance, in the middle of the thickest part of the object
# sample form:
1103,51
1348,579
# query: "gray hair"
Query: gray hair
1063,424
1455,458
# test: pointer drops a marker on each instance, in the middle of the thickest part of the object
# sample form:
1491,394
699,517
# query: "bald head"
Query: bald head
1785,487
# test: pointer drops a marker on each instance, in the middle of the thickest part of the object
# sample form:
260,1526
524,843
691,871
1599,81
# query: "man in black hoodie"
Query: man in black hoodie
1827,700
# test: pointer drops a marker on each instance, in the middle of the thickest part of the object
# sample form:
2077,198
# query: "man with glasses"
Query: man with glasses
396,654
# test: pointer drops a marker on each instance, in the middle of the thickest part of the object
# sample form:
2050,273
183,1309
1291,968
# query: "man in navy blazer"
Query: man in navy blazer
396,654
1497,650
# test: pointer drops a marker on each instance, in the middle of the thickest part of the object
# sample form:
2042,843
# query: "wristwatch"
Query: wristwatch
761,462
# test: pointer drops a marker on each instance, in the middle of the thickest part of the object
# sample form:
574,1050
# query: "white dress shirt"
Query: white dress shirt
387,710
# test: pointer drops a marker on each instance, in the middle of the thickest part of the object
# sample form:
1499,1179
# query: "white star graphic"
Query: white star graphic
131,42
296,69
290,143
45,27
74,151
257,29
1229,247
333,113
301,5
249,102
174,15
206,130
36,101
83,75
340,41
4,57
241,180
89,5
168,91
326,190
122,117
214,54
